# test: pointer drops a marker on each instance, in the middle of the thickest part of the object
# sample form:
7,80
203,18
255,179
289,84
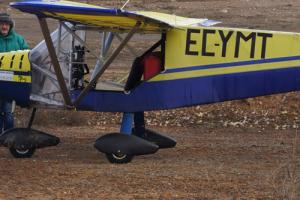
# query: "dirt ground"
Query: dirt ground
234,150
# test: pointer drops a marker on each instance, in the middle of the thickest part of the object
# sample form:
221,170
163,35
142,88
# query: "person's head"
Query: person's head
6,24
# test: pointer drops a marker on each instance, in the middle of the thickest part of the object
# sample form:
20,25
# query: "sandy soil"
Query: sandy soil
206,164
234,150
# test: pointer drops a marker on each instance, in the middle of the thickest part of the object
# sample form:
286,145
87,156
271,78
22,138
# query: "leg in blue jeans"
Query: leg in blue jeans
1,116
8,117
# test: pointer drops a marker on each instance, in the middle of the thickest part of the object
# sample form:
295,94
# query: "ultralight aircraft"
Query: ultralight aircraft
192,63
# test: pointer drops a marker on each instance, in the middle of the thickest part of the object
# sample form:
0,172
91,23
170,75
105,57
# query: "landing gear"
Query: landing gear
22,153
121,147
22,142
119,158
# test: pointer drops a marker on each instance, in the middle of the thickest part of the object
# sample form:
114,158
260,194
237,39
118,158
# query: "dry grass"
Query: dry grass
285,179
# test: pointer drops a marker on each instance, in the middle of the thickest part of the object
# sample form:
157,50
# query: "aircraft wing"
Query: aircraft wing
90,15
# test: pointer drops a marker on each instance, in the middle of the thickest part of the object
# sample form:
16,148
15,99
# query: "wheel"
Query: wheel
119,158
18,153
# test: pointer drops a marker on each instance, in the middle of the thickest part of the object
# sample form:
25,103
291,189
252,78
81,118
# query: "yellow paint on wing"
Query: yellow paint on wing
151,20
109,21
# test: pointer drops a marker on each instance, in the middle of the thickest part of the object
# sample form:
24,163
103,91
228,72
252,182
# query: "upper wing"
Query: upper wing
86,14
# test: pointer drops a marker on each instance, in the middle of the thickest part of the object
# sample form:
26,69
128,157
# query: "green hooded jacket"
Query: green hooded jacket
12,42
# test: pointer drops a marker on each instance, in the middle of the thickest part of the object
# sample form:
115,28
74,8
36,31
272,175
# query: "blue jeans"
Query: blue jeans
6,115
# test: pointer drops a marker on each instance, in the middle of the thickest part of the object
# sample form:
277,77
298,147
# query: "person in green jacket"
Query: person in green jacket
9,41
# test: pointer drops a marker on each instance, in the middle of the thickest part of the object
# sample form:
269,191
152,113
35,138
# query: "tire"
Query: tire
27,153
119,158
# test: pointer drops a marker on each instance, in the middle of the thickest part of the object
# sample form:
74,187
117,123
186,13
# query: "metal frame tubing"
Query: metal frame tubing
52,53
106,64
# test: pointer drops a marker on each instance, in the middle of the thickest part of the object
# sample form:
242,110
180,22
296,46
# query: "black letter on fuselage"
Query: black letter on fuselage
225,39
204,41
240,35
264,42
189,42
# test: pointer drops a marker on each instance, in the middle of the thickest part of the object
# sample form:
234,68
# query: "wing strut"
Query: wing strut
52,53
107,63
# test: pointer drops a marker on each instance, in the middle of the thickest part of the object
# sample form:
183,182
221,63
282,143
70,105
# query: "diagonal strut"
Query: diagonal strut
52,53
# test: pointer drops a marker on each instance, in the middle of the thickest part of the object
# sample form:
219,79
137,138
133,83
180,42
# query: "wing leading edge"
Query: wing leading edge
90,15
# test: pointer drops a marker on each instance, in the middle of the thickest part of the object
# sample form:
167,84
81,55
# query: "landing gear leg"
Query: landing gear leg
139,125
31,118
